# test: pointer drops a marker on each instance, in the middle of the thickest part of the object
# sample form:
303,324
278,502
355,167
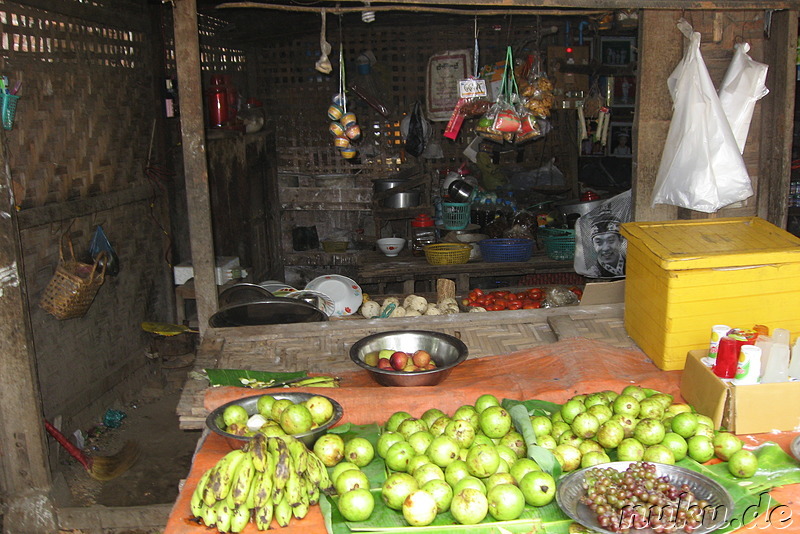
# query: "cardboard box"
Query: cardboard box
683,277
227,269
740,409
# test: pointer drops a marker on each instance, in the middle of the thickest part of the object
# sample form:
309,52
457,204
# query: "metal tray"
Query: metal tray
570,490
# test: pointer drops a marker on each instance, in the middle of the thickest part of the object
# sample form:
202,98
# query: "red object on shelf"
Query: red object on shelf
727,357
217,105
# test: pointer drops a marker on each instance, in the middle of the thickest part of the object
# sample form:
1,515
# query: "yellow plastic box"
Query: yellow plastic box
683,277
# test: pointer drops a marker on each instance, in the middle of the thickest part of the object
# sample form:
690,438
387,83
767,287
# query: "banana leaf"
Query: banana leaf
233,377
521,413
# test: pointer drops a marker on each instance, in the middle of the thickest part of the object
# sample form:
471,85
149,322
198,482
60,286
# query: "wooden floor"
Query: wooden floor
323,347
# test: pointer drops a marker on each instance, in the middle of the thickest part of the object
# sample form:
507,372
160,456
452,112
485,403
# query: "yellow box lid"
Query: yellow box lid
714,243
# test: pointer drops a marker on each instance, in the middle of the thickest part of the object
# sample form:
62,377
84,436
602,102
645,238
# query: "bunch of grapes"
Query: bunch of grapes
637,498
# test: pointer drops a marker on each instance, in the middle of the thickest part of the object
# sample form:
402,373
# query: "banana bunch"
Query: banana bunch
322,381
271,477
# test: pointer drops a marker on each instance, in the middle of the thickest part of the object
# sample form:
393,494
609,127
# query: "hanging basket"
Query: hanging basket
73,286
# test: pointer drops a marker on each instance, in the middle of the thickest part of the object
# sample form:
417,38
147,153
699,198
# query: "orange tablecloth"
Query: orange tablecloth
552,372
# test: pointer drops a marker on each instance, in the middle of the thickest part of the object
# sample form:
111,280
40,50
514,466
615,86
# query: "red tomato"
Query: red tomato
577,291
521,296
494,308
503,303
532,306
514,305
477,292
535,293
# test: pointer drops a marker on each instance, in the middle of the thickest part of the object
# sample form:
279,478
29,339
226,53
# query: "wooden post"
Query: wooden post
777,119
26,481
660,50
187,59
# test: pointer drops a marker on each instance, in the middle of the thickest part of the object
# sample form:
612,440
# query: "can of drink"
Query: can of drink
718,331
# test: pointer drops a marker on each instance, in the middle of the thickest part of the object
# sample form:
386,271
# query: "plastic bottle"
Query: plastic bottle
748,370
777,369
765,344
217,103
794,365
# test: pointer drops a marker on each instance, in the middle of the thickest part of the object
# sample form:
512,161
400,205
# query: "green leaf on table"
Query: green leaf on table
543,457
534,406
234,377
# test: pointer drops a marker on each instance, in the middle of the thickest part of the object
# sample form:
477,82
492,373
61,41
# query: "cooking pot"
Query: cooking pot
406,199
384,184
267,311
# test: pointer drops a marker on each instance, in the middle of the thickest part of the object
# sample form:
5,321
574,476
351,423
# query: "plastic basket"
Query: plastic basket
455,215
560,247
547,231
447,253
503,250
9,110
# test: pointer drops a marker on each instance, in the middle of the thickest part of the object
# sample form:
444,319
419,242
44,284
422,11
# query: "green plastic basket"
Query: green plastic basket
455,215
560,247
9,110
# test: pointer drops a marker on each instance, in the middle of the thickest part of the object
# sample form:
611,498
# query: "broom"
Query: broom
99,467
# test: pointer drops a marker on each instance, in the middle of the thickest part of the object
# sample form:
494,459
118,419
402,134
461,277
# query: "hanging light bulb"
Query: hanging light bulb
367,16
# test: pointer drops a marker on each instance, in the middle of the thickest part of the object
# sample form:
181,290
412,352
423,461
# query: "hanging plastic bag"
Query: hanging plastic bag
600,249
414,131
701,166
742,86
99,245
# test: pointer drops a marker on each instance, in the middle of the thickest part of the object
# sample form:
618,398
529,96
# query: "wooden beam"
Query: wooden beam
24,464
777,119
187,59
520,7
660,50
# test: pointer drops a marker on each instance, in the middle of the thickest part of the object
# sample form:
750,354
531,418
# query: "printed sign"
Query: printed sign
445,71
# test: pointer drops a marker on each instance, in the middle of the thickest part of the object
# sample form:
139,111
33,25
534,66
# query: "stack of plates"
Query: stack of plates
344,293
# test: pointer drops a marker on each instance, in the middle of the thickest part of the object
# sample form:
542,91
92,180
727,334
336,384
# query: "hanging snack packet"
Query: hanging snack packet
485,127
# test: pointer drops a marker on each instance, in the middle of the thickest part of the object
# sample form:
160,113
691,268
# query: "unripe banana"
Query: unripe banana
313,494
197,503
312,470
317,381
223,523
231,462
283,512
259,452
292,488
250,502
282,464
240,516
209,499
210,515
263,492
262,516
244,479
299,453
325,483
301,509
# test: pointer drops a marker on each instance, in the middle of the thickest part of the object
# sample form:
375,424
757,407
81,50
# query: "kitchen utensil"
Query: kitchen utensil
101,468
345,292
241,293
316,298
215,424
720,502
446,350
274,310
461,191
406,199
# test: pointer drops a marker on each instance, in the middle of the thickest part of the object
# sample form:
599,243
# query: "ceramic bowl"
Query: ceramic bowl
447,351
391,246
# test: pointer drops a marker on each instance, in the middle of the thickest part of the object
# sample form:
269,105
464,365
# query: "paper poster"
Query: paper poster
445,71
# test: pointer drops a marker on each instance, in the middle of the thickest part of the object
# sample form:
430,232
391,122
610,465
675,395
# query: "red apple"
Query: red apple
421,358
399,360
384,363
431,365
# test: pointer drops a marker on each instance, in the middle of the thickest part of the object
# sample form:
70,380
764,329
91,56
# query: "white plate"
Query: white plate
346,294
328,306
277,288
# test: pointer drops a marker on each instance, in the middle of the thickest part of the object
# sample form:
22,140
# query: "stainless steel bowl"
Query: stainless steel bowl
721,505
267,311
215,424
446,350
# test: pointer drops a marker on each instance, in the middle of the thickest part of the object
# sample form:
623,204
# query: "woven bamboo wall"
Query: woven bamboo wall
300,96
78,154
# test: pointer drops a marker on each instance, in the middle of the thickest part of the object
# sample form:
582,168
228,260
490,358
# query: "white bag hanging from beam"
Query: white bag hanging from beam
742,86
701,166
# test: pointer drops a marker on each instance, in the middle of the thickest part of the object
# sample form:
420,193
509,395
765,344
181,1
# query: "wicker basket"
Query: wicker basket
447,253
73,286
505,250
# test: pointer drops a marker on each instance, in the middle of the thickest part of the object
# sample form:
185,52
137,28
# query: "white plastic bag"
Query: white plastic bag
701,167
600,249
742,86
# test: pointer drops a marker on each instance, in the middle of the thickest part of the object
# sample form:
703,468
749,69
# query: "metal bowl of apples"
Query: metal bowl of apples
407,358
216,424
